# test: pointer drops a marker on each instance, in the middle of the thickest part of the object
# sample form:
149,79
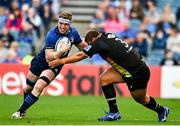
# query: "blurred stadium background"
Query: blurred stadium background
150,26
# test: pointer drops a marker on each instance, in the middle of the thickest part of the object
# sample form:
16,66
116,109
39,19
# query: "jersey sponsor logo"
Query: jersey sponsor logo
88,48
49,47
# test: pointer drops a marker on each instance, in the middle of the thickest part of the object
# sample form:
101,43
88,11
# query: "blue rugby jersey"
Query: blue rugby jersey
54,35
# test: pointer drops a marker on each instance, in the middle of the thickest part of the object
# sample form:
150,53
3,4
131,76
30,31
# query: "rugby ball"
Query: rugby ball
61,42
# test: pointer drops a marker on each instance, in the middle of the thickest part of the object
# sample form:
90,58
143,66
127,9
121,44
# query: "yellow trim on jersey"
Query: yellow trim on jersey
120,69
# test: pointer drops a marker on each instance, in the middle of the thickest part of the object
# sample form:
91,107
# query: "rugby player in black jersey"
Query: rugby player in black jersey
126,66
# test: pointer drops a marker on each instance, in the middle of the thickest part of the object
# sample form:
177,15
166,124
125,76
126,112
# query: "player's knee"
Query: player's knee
38,88
103,80
45,79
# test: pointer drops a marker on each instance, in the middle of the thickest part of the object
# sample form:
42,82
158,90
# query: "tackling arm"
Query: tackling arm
71,59
82,45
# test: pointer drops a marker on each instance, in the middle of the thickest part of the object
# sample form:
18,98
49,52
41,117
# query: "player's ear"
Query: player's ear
93,39
88,41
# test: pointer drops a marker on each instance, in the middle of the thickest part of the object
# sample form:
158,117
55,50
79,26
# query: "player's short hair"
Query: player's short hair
90,35
65,17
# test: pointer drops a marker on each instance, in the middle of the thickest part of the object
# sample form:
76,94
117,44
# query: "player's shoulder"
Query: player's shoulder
51,33
73,30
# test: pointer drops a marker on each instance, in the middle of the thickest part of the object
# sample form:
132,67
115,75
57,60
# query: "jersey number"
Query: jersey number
121,41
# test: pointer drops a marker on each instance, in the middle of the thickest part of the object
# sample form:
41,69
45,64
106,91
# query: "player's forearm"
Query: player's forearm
82,45
71,59
58,54
74,58
53,55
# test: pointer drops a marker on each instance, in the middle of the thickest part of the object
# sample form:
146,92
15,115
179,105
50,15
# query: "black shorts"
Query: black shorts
39,65
140,79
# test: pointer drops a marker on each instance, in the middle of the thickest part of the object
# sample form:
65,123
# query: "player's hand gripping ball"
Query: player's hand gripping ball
63,44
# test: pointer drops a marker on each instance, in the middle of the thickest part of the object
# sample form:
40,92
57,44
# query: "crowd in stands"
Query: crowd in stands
23,25
153,31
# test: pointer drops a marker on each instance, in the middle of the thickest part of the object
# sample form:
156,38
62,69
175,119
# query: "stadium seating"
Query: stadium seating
155,57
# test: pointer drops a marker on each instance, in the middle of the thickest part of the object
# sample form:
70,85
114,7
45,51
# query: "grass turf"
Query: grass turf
83,110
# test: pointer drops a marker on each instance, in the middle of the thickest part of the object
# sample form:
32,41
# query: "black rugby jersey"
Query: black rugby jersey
117,53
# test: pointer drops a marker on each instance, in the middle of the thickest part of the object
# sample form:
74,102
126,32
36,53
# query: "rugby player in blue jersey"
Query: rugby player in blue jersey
40,74
126,66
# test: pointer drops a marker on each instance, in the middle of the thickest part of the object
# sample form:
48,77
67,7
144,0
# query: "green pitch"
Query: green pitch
83,110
